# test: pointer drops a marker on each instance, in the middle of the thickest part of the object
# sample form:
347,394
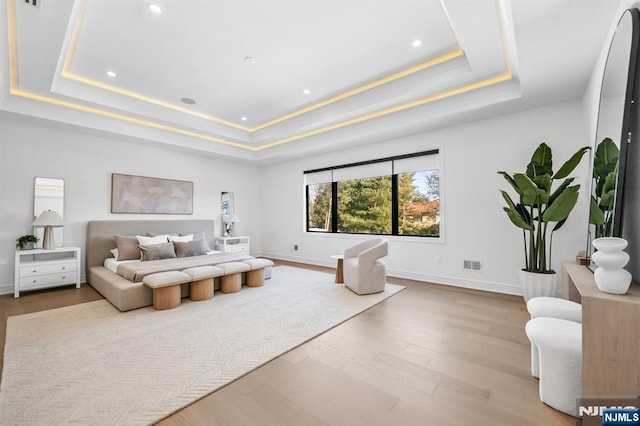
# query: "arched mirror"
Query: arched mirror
613,130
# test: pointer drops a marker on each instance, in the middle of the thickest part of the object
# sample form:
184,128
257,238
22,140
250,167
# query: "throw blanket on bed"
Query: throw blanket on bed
136,271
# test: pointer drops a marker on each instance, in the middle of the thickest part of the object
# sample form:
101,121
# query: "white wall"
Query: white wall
85,161
270,200
475,226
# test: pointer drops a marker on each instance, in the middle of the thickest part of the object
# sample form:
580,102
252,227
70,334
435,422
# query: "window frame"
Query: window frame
394,199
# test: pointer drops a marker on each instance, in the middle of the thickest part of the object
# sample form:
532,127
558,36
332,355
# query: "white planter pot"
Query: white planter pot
610,277
535,285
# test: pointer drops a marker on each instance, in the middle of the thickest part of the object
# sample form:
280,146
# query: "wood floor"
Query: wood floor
430,355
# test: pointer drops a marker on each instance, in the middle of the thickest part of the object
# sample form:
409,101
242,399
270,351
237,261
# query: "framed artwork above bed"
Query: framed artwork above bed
140,194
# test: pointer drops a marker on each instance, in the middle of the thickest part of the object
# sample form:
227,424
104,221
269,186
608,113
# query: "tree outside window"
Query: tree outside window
419,203
319,207
365,205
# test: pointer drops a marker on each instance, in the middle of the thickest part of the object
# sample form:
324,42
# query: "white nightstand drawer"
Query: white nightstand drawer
43,280
232,244
233,249
29,271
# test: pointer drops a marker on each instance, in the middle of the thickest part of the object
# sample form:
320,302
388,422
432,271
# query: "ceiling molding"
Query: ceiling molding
70,52
15,90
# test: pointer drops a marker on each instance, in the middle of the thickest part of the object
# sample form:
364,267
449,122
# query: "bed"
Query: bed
121,292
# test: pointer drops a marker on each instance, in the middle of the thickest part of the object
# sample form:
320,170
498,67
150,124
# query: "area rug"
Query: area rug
91,364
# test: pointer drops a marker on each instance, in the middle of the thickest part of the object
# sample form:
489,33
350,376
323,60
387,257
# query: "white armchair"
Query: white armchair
364,272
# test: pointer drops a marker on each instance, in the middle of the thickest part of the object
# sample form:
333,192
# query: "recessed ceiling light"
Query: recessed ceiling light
188,101
154,7
111,73
243,118
306,91
416,43
250,60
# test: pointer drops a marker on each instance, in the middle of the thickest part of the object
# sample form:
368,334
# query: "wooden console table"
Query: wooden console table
610,335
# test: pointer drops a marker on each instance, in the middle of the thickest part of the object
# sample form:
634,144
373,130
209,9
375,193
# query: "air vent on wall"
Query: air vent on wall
472,265
34,3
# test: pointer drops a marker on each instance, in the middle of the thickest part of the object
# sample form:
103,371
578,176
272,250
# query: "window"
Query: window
364,206
319,207
391,196
419,203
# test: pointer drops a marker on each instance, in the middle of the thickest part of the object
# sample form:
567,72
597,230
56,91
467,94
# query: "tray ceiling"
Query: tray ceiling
259,80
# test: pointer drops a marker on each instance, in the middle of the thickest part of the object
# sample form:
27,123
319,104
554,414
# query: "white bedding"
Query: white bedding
112,264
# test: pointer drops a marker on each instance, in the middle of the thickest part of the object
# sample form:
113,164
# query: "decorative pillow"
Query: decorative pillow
157,251
181,239
114,252
199,236
155,234
147,241
189,248
127,247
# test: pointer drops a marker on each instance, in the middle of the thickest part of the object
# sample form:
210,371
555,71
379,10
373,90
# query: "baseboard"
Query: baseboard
458,282
417,276
330,263
8,288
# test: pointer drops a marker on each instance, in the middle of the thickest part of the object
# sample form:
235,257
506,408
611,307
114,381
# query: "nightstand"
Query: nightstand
232,244
39,268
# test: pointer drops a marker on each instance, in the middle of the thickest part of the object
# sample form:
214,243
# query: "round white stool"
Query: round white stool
554,307
559,344
551,307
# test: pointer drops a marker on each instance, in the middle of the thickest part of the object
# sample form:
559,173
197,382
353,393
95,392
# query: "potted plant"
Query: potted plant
26,240
536,211
605,175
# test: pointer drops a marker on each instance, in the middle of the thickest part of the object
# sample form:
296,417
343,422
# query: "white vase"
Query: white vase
534,284
610,276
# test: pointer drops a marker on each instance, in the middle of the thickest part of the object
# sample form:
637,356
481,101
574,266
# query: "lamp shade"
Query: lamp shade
48,218
232,218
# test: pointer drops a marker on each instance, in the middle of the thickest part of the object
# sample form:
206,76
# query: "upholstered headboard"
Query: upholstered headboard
100,233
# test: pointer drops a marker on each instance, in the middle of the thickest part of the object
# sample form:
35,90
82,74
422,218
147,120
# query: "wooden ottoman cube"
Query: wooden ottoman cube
166,288
231,281
255,276
201,287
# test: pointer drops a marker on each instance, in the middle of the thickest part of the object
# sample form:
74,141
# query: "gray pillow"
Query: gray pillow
198,236
158,251
190,248
127,247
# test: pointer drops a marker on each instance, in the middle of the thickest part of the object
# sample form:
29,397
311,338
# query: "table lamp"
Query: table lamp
48,220
229,221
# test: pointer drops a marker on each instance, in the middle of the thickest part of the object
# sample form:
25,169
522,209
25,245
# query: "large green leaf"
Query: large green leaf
607,200
559,189
515,213
511,181
559,225
529,192
542,157
516,219
608,192
596,215
522,210
543,182
562,206
571,163
536,171
605,159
